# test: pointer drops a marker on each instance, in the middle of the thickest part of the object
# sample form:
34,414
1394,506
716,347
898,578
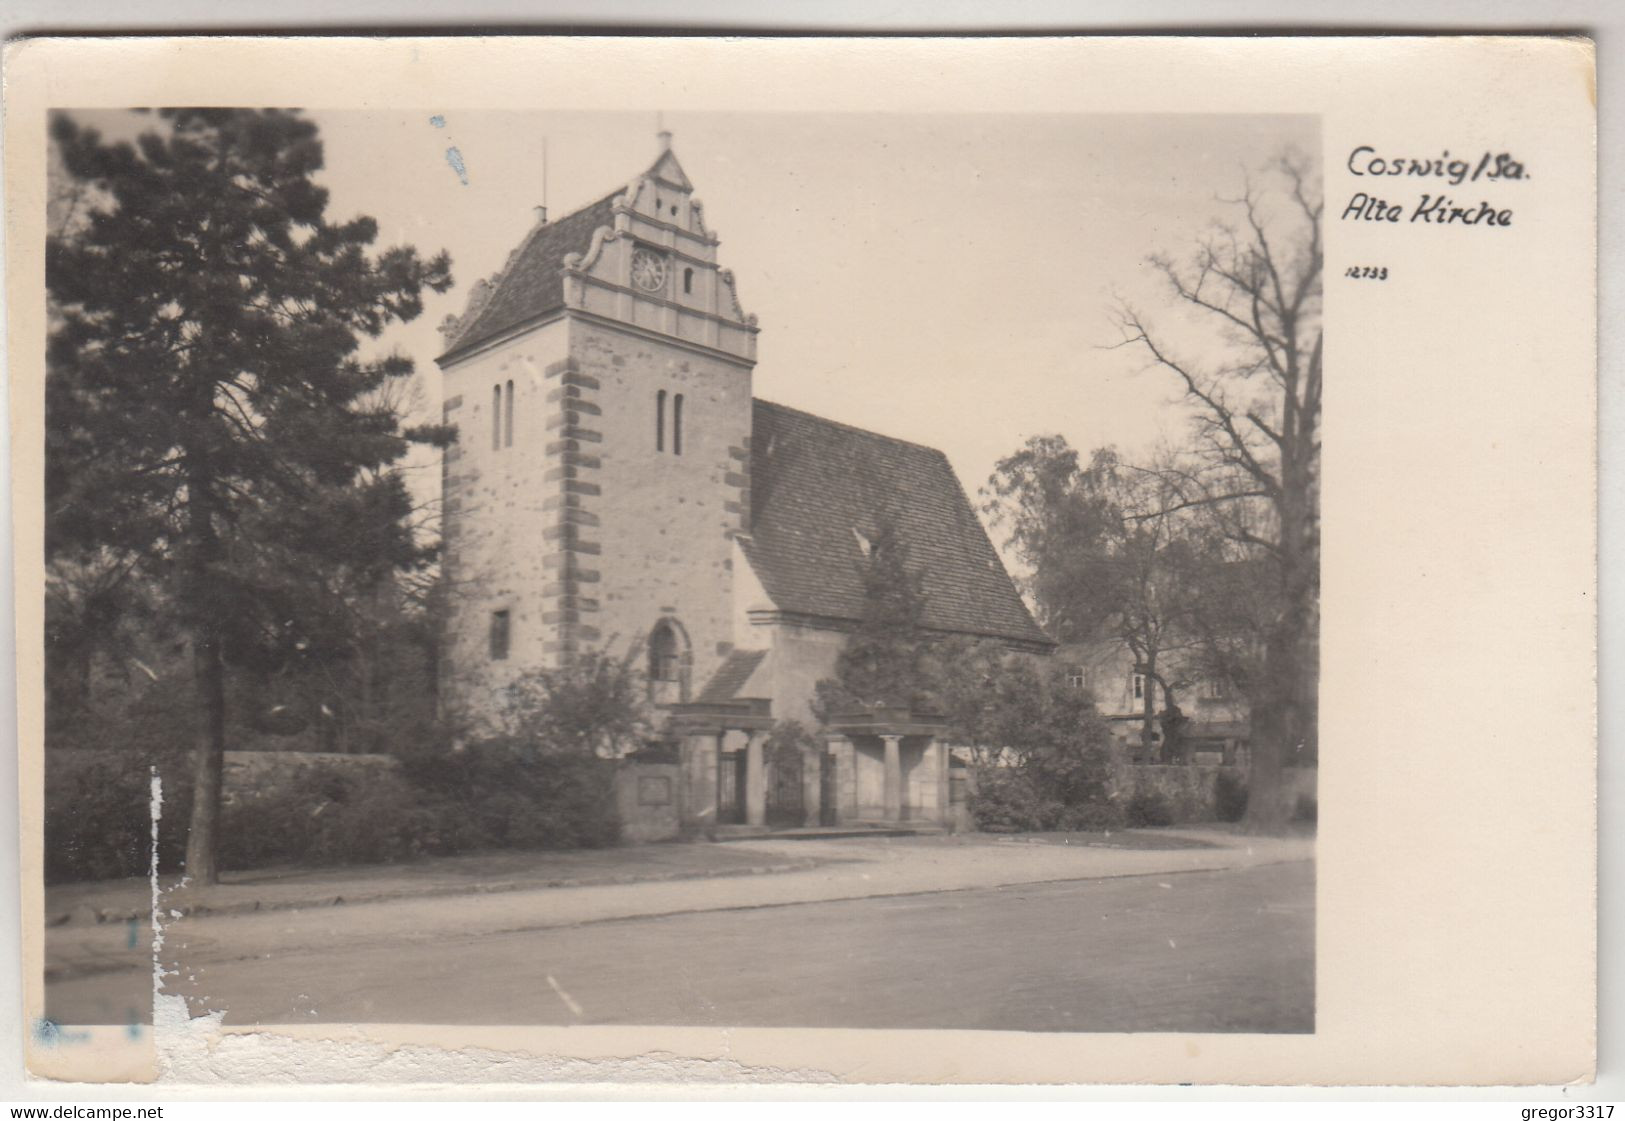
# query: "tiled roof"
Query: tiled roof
731,676
532,284
814,482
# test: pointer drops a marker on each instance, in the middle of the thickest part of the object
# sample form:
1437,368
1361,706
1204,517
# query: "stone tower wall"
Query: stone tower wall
656,527
497,514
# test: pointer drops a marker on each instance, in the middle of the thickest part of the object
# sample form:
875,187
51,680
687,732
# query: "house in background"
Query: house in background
616,482
1215,725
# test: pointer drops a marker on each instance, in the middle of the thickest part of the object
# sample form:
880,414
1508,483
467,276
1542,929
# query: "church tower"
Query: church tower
601,388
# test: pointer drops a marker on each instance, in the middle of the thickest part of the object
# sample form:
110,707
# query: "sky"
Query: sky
945,278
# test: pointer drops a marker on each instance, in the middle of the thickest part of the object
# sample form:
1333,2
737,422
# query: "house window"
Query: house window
1076,677
677,425
507,420
1138,683
501,633
496,418
1215,688
660,421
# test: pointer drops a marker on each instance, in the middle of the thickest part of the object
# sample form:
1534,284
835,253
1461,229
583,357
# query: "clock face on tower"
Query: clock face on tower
648,270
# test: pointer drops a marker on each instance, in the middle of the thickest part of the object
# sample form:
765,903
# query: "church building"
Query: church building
615,483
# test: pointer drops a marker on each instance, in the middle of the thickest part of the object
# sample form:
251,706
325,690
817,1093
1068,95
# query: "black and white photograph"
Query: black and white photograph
694,566
855,535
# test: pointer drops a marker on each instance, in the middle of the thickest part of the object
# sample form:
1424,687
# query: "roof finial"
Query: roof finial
541,211
662,134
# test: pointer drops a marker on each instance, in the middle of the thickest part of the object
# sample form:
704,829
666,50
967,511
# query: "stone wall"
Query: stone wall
250,773
647,796
1190,789
245,773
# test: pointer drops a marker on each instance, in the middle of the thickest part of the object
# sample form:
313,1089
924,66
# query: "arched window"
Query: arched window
496,417
660,421
665,658
677,425
688,281
507,420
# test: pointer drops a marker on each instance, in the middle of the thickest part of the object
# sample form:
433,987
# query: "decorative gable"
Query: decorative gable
641,256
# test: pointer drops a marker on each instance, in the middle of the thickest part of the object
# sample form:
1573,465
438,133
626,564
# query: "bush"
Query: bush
496,794
1100,817
1229,797
1148,808
487,796
326,815
1307,809
98,815
1005,800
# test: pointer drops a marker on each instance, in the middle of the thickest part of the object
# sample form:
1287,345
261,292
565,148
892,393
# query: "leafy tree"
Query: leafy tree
1256,399
590,708
1007,707
205,381
1040,750
1110,551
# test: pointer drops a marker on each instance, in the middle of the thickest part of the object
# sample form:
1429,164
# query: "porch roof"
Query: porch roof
699,717
888,722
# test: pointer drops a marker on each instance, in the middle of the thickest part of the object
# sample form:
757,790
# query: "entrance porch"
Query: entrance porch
883,767
891,766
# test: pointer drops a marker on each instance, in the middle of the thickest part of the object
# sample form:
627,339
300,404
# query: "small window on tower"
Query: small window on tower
507,420
677,425
496,418
660,421
688,281
501,633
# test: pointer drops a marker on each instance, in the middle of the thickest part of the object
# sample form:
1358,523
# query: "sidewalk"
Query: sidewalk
272,889
802,872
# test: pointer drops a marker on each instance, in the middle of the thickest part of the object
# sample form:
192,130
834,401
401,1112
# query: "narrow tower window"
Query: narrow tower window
688,281
496,418
500,635
677,425
507,420
660,421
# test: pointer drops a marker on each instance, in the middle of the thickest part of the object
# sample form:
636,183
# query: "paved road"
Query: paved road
1200,951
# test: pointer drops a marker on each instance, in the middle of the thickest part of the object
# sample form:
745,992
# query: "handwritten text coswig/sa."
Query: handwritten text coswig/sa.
1367,161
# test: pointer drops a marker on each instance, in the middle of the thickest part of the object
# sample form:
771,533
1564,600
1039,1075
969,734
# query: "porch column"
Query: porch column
940,749
700,781
846,793
893,789
755,781
720,759
812,785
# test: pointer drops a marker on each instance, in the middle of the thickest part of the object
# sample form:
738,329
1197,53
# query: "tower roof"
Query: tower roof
817,485
531,284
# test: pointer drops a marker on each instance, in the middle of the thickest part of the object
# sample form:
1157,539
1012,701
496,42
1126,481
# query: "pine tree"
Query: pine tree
204,370
882,663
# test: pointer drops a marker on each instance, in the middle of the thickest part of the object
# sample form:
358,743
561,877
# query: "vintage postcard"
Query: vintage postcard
805,561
